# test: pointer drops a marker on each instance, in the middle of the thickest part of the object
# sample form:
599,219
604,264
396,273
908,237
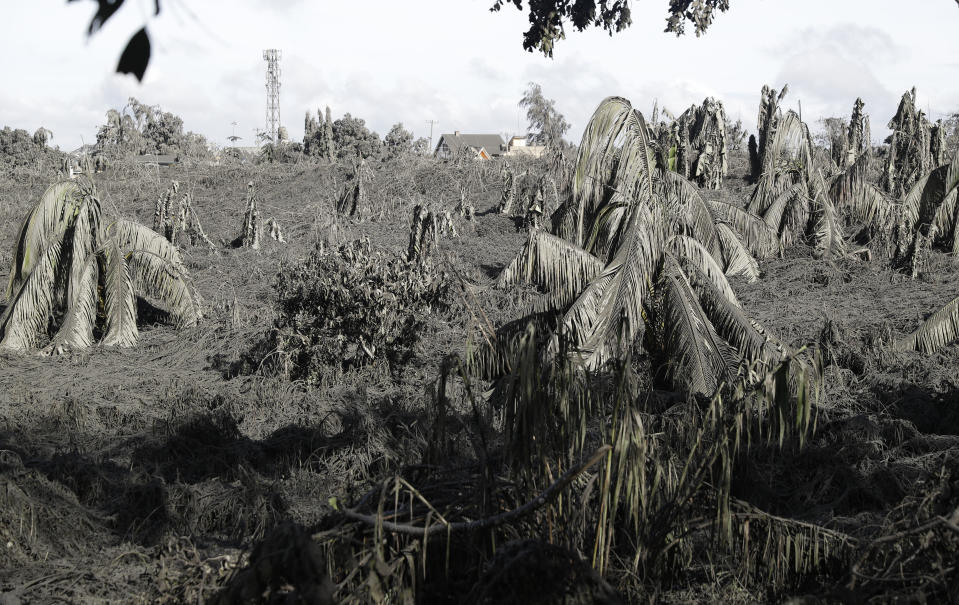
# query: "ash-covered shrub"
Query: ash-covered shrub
347,307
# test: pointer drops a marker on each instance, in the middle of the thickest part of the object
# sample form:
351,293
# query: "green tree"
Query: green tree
546,125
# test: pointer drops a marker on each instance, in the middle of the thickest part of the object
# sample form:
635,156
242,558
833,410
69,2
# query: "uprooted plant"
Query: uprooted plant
86,274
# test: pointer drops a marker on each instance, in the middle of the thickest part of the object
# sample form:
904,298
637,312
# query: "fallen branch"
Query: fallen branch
548,494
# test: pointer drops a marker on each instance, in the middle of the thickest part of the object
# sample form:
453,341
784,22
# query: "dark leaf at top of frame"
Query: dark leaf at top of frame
105,10
136,56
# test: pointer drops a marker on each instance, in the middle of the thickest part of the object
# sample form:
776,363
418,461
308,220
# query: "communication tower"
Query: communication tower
272,58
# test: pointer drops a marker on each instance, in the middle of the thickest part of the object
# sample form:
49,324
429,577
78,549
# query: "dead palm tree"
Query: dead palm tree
637,249
930,206
86,274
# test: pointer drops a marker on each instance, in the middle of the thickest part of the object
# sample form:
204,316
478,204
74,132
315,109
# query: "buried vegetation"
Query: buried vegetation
604,367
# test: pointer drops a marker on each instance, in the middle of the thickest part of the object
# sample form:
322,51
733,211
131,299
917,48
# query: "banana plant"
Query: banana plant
935,201
85,274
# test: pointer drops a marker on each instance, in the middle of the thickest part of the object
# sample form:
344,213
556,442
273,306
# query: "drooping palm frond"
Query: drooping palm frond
25,319
944,221
736,256
156,277
84,242
795,219
689,251
790,143
608,315
76,331
925,197
564,220
847,183
759,238
701,359
769,186
783,206
687,210
749,338
62,280
607,225
120,306
130,236
47,221
940,329
614,155
830,241
561,268
863,201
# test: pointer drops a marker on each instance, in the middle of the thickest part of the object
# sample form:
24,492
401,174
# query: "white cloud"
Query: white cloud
457,63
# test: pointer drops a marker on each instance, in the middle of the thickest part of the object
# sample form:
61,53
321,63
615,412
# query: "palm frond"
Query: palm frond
940,329
614,154
561,268
688,206
796,219
563,220
702,360
924,198
768,188
156,277
830,242
736,256
944,221
866,203
747,336
849,182
607,227
761,241
608,315
120,304
787,199
689,250
76,331
84,242
26,316
791,141
130,236
47,221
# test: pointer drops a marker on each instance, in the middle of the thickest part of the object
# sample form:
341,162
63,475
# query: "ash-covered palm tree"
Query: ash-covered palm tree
76,278
639,254
929,210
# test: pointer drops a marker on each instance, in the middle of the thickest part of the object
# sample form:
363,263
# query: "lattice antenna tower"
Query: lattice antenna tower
272,57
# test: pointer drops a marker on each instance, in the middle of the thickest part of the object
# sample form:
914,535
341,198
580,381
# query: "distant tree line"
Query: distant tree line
18,148
348,137
139,129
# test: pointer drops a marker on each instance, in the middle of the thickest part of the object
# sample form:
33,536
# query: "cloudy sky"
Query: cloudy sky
455,62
